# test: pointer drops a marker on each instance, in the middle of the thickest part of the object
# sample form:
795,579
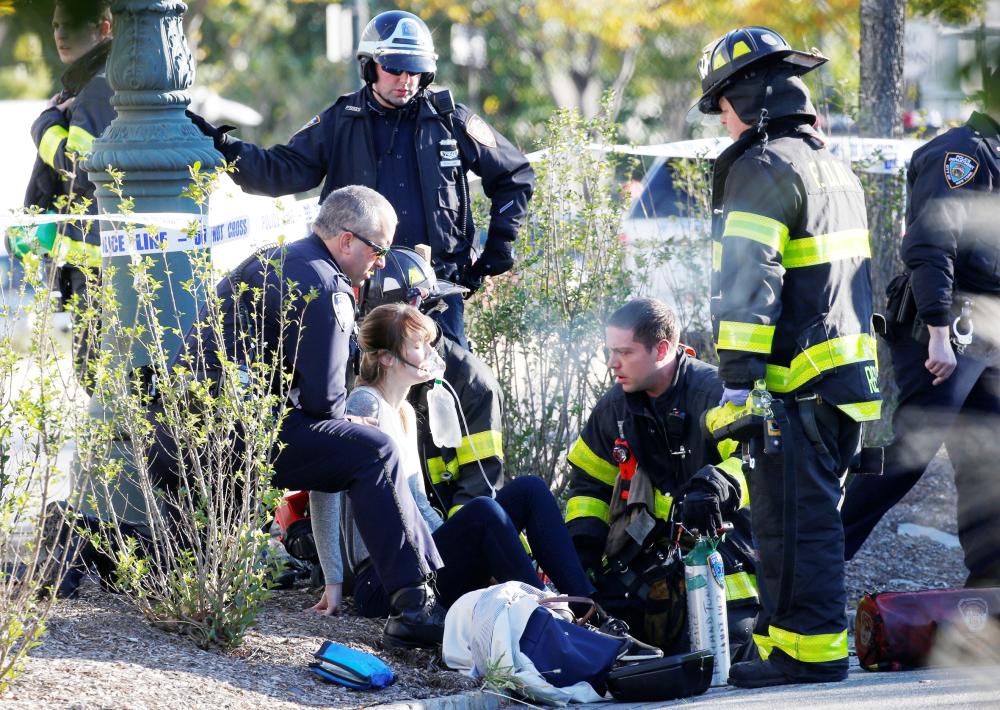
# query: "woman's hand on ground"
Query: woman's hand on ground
329,603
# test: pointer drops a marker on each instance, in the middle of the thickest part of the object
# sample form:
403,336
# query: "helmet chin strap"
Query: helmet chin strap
761,126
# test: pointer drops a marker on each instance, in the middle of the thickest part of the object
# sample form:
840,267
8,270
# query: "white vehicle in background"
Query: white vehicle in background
668,228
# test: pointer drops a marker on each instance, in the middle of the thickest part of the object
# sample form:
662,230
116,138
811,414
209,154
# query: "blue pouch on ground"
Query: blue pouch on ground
564,653
351,668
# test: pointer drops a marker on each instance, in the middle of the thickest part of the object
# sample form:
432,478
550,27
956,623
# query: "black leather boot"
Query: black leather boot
416,619
762,674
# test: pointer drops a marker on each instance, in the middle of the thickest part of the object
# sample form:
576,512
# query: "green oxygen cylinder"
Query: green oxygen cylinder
705,584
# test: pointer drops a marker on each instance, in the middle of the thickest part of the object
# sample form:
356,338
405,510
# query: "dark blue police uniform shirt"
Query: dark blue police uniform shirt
315,334
394,134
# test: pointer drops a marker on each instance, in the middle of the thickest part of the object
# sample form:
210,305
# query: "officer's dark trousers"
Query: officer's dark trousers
963,413
337,455
333,455
804,631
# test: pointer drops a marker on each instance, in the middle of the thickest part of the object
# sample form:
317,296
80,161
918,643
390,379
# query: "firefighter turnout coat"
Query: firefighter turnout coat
456,476
792,304
791,284
666,439
62,138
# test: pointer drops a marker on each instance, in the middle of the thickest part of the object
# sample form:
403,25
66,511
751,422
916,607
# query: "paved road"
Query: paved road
939,688
911,690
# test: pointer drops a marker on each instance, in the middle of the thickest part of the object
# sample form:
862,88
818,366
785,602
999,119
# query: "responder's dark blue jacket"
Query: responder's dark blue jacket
952,242
336,148
791,270
61,134
312,333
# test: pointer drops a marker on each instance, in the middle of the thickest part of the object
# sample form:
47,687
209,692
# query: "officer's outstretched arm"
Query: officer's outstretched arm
296,166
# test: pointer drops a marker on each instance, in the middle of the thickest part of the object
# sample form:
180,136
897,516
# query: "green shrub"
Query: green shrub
41,409
541,327
201,565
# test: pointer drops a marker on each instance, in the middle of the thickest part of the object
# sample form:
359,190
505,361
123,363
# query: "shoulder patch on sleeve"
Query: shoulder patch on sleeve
311,122
959,169
343,311
480,132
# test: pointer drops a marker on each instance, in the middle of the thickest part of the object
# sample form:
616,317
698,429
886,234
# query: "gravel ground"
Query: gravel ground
100,653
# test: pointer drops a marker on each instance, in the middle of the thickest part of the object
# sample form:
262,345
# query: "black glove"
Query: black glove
473,282
497,258
218,134
701,509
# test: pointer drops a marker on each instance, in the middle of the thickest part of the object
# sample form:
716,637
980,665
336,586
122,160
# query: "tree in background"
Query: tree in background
549,54
541,55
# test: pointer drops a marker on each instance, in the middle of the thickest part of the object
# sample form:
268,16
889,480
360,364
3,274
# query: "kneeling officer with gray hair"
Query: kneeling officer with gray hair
323,448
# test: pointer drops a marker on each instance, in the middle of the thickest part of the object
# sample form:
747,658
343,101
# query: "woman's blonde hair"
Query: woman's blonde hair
384,330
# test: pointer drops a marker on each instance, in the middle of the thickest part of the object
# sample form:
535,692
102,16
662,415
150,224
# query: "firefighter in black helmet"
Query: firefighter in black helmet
414,146
454,476
791,313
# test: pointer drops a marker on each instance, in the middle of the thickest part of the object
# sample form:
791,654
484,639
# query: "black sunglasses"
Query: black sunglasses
395,71
380,251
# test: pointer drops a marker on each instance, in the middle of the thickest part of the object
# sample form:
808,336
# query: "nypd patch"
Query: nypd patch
959,169
312,122
480,132
343,311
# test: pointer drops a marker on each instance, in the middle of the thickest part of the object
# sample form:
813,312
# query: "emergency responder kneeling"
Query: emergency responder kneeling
792,316
415,146
323,449
643,451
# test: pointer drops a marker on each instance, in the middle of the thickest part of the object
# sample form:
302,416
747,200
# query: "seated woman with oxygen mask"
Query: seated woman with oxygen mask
479,543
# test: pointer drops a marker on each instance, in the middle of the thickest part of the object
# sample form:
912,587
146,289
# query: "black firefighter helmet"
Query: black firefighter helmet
728,59
406,278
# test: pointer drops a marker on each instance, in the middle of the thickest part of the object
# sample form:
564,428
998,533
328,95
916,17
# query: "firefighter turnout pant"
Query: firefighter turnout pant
802,627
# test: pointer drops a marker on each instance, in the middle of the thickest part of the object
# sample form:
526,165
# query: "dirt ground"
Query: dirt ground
892,562
99,653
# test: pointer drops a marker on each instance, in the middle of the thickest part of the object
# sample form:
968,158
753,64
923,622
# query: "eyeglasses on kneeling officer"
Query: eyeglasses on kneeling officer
380,251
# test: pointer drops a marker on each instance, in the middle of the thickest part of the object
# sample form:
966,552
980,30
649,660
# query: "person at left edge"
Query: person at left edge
412,145
322,447
63,133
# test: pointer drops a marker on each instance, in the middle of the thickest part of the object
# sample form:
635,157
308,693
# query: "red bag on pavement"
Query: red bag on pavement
896,630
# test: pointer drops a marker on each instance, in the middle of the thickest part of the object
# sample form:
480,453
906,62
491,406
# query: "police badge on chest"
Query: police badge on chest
448,151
